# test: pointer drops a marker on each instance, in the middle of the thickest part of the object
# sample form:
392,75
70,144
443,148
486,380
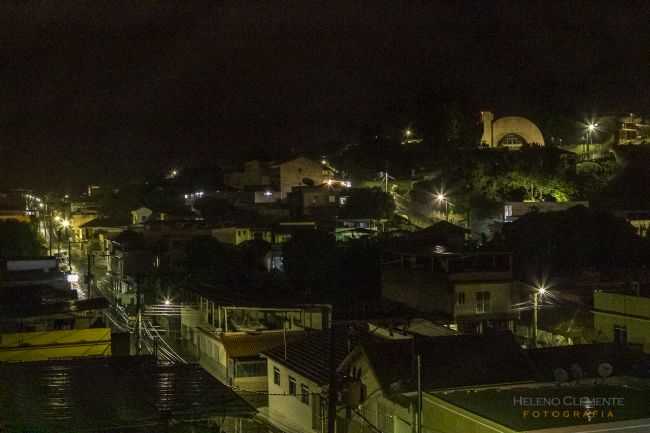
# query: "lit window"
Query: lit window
482,302
508,212
512,140
304,394
276,375
292,386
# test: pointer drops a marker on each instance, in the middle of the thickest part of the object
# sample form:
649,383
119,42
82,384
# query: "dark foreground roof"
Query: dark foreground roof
624,360
110,395
449,362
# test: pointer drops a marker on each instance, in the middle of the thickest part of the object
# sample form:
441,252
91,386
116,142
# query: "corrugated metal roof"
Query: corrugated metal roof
110,394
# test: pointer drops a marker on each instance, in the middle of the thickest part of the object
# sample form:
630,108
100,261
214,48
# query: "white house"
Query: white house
140,215
298,378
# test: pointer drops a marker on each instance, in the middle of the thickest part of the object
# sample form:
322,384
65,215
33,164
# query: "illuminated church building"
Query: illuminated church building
511,132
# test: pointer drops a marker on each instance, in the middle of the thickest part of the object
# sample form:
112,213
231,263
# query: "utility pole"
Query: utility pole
332,392
419,417
67,232
89,274
49,227
138,304
535,308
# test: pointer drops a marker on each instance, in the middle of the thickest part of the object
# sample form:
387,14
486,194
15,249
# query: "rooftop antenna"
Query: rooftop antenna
560,375
605,370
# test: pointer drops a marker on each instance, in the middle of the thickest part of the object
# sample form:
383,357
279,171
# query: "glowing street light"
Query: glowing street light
442,198
65,223
408,132
537,295
591,128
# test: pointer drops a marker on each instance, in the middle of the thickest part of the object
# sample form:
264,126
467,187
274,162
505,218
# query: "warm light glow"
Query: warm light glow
268,193
57,218
329,182
167,301
72,278
408,132
591,127
541,290
440,197
65,223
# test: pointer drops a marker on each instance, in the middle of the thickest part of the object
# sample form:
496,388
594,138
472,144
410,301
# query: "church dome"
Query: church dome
514,131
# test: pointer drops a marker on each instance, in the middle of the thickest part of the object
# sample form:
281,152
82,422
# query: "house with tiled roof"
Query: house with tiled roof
234,358
382,374
298,380
227,329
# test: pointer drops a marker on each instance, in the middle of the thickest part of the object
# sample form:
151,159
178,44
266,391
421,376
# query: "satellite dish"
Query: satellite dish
560,375
307,181
605,369
576,371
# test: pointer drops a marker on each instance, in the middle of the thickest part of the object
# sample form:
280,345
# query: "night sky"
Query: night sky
108,91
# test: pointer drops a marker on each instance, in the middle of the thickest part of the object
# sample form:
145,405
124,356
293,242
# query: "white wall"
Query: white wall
288,408
500,297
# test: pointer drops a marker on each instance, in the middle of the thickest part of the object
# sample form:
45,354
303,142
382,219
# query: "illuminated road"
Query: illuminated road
153,339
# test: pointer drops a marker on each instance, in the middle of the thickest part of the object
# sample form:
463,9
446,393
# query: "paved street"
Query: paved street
154,338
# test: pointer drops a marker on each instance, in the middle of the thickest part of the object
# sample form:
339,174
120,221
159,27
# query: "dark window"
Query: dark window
620,334
276,375
250,368
292,386
304,393
461,298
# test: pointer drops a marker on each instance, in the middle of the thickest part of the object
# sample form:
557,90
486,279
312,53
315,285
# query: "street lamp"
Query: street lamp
440,198
65,223
591,127
537,295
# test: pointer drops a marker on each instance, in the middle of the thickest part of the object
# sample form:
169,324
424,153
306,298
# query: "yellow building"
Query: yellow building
41,346
17,215
622,318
